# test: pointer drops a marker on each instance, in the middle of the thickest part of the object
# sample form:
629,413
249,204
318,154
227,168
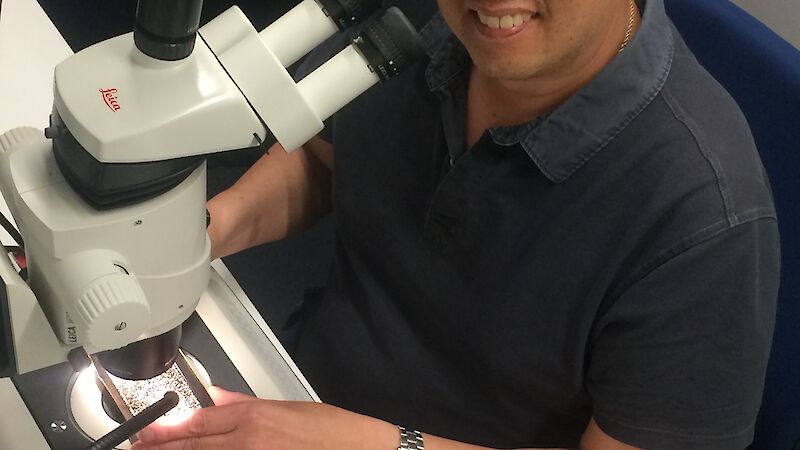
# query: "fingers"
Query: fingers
210,421
216,442
223,397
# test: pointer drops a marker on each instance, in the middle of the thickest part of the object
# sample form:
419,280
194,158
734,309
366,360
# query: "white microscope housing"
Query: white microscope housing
110,200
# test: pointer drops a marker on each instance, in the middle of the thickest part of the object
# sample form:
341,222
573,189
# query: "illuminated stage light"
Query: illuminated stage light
85,397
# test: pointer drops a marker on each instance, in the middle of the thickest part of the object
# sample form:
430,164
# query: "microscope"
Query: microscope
110,198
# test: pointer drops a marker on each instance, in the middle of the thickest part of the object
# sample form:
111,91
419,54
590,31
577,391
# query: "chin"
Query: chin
506,70
515,64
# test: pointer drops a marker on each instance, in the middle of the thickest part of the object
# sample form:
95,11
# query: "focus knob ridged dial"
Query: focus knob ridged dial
13,137
114,311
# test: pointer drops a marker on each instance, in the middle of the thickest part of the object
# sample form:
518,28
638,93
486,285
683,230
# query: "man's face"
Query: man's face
524,39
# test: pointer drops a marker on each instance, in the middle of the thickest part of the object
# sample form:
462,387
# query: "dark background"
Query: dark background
85,22
275,276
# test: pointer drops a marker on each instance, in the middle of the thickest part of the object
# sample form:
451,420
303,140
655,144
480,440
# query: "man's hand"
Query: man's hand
243,422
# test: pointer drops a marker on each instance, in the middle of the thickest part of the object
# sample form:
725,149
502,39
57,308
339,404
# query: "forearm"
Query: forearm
593,439
437,443
375,434
282,193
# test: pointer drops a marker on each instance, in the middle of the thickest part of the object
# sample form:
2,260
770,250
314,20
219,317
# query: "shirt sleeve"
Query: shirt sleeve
679,360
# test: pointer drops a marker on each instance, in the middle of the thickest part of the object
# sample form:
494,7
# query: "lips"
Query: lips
505,21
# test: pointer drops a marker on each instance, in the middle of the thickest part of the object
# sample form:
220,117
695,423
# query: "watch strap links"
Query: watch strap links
410,439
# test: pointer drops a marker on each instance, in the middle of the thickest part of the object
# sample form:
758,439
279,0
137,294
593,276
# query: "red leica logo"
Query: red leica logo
110,99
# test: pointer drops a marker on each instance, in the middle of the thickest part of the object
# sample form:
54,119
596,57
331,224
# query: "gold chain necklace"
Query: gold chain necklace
629,31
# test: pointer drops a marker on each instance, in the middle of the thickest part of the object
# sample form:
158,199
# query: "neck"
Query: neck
495,102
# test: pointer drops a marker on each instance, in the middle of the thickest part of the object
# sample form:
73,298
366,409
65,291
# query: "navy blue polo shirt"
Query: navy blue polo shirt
616,259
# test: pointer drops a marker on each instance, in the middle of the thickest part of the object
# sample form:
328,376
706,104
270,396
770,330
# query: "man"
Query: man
553,232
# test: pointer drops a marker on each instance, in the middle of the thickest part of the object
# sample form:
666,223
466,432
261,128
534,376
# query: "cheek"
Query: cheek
448,9
561,35
456,14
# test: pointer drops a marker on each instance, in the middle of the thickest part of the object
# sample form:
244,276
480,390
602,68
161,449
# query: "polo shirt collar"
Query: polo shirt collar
564,140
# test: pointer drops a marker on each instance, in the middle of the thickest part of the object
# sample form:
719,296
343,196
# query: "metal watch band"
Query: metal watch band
410,439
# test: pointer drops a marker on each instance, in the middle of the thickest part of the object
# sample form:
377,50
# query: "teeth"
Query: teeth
508,21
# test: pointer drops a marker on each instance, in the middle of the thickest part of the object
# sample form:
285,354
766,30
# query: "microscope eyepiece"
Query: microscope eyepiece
347,13
389,42
166,30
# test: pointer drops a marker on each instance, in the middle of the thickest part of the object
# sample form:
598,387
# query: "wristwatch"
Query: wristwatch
410,439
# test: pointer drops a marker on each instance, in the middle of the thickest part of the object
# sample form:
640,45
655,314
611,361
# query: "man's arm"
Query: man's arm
596,439
282,193
593,439
241,422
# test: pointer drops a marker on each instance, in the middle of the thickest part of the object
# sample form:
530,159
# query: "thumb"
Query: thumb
223,397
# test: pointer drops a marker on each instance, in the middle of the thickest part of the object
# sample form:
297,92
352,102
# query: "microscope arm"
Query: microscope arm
34,342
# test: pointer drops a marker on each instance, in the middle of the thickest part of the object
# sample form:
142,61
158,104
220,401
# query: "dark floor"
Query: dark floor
275,276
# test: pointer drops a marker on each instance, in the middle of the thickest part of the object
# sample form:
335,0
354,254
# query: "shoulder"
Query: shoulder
686,169
710,131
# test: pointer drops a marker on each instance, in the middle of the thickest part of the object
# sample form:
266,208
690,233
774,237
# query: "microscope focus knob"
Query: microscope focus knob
114,311
16,136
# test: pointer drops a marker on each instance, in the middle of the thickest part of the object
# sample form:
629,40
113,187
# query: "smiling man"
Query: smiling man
555,231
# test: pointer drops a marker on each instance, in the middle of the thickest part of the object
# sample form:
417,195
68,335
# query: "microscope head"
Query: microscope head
111,199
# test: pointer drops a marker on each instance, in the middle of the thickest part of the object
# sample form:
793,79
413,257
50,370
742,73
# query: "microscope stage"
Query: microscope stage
81,394
234,349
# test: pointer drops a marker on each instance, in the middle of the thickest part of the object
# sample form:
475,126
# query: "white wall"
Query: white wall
783,16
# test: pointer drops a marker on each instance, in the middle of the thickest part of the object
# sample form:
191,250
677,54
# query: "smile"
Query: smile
505,22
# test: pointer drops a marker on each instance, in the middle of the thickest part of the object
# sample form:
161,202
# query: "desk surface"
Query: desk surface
26,84
26,97
26,81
